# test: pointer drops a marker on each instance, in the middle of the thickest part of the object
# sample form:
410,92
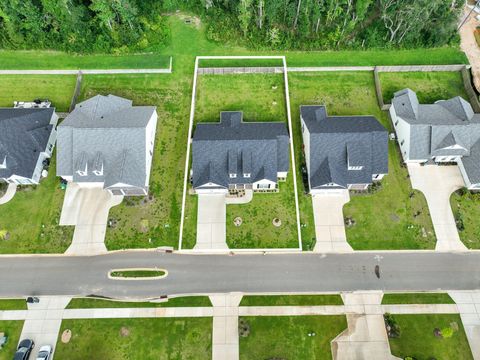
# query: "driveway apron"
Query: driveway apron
211,217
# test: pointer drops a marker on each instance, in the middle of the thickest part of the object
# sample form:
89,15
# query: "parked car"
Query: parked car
45,352
24,349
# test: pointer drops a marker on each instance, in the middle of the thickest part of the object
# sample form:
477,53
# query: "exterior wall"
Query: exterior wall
211,191
326,191
402,130
150,131
20,180
282,175
262,185
306,145
446,159
358,186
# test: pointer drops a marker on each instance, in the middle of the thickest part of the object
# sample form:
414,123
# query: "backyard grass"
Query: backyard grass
13,304
12,330
57,88
291,300
466,210
417,298
417,338
429,86
31,219
187,301
286,337
137,339
261,97
257,229
20,60
394,215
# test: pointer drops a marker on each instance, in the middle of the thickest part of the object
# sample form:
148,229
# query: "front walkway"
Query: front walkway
437,183
87,209
366,337
43,320
329,223
9,194
211,218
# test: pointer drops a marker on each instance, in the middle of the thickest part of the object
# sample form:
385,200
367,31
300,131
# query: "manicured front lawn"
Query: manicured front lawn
417,338
58,60
13,304
57,88
391,217
261,97
417,298
151,221
137,339
286,337
187,301
466,210
32,216
291,300
257,229
12,330
429,86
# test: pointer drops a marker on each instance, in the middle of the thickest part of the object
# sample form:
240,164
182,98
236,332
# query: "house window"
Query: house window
396,123
402,142
233,175
263,186
50,147
98,172
303,128
246,175
355,167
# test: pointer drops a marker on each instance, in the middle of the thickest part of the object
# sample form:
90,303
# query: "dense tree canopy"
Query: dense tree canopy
136,25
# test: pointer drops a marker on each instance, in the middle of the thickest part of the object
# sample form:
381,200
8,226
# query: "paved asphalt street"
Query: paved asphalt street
72,275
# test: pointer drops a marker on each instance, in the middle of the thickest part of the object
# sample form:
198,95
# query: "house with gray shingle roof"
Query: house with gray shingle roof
105,141
235,155
27,139
445,132
342,152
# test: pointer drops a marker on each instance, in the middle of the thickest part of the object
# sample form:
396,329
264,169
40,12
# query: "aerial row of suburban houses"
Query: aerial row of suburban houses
106,141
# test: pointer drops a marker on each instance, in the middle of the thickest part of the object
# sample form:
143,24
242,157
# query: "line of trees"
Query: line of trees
136,25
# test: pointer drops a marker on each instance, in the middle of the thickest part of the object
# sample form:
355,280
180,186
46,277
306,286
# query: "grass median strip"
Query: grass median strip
440,337
13,304
138,274
417,298
289,337
187,301
136,339
291,300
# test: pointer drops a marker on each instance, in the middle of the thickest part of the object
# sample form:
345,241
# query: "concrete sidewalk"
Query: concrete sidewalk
329,222
9,194
437,183
43,320
225,326
87,209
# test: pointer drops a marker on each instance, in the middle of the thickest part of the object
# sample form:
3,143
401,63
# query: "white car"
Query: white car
44,352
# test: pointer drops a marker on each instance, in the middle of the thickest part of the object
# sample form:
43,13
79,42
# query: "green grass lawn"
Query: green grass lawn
137,339
57,88
187,301
466,209
417,338
12,330
286,337
429,86
43,60
261,97
391,207
417,298
291,300
13,304
32,216
137,273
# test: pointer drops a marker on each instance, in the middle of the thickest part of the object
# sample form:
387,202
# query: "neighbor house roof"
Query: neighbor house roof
105,135
340,143
24,134
232,146
447,128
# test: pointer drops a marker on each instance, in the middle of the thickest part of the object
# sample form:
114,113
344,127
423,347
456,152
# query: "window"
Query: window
355,167
402,142
98,172
263,186
233,175
303,128
246,175
396,123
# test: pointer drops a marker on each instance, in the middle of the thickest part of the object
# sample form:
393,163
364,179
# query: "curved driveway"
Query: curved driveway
77,275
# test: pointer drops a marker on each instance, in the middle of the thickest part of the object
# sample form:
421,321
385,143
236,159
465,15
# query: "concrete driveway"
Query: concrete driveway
87,209
211,217
437,183
329,223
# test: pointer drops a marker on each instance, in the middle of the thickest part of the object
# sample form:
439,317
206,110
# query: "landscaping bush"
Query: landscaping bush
243,328
393,329
447,332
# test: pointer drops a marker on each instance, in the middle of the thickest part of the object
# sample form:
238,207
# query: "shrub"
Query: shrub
393,329
447,332
243,328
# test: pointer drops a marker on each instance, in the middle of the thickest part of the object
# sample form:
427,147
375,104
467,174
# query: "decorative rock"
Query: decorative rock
66,336
277,222
237,221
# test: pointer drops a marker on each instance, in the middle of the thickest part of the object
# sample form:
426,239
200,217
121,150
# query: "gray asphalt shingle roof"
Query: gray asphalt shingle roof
24,134
336,141
260,149
447,128
105,133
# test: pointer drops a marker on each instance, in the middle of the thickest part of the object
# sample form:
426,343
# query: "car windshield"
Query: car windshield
42,355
